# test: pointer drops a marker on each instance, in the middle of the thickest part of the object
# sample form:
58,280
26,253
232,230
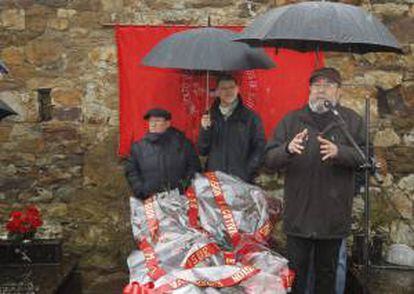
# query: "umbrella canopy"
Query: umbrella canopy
207,49
5,110
325,26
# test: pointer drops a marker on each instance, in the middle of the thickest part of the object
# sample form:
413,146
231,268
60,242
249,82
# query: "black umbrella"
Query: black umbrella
325,26
5,110
206,49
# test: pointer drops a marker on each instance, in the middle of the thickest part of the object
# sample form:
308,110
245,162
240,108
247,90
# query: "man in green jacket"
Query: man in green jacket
319,165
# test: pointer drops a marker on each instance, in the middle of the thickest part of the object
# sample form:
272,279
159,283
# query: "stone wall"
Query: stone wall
69,166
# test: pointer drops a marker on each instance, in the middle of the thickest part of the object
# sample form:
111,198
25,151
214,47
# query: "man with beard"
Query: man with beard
163,160
231,135
319,165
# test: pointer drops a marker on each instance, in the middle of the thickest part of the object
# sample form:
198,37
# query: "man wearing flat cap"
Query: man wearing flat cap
163,160
319,165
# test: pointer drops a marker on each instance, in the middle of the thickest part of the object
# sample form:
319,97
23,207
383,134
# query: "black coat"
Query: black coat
318,195
161,162
236,145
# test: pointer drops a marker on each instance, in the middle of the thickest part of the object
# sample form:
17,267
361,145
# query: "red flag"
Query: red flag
271,93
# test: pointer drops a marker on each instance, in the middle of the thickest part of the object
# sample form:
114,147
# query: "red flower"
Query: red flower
23,229
36,223
13,225
32,210
21,223
16,214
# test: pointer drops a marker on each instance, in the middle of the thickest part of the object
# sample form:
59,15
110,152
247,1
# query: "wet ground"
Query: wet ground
381,281
69,281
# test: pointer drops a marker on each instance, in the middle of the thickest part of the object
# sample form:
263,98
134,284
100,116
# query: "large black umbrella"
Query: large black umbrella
206,49
325,26
5,110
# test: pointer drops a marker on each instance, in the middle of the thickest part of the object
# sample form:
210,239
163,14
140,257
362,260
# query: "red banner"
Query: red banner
272,93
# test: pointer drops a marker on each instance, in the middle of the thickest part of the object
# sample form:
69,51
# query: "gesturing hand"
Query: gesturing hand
295,146
328,149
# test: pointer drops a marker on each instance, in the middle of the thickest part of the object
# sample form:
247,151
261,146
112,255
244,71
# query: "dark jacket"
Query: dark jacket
318,195
160,162
234,146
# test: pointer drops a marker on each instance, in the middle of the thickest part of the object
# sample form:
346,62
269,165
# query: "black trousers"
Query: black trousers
325,260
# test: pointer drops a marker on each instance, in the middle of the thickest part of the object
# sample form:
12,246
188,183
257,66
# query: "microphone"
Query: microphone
374,165
328,104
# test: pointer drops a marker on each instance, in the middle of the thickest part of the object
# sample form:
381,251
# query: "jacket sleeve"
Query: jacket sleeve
192,161
257,147
134,175
347,155
204,141
276,156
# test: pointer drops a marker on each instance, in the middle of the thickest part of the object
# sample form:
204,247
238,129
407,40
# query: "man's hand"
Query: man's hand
206,121
296,145
328,149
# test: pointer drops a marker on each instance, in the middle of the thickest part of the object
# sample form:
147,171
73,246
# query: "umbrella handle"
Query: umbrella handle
207,90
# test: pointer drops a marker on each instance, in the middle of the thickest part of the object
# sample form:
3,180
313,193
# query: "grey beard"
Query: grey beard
317,106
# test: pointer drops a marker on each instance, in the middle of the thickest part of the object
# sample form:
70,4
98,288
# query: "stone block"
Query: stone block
5,130
408,93
208,4
403,29
68,97
59,24
390,9
160,4
57,211
400,160
385,79
386,138
13,19
407,184
36,19
112,6
67,113
105,54
408,138
44,52
65,13
87,20
402,233
53,3
57,131
403,204
12,55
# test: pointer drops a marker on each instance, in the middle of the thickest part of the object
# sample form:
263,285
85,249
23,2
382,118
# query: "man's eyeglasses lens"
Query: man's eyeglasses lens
324,85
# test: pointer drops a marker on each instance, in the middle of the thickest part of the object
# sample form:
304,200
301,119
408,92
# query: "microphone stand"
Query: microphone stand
368,167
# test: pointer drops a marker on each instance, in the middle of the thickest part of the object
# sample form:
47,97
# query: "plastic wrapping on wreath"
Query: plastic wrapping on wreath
216,279
175,246
189,238
273,268
173,255
159,213
250,206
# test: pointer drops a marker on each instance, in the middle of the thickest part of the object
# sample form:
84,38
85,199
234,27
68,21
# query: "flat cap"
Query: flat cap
328,73
157,112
